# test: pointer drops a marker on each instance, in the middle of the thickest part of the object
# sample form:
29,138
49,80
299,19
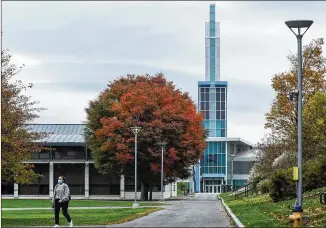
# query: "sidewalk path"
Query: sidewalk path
74,208
203,210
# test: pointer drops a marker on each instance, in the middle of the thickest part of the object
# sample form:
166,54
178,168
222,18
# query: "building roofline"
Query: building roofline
231,139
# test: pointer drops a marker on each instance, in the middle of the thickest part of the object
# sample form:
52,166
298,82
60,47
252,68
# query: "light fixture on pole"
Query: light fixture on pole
162,145
232,157
135,130
299,28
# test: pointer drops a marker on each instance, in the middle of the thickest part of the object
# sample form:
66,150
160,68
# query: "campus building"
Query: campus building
226,161
68,155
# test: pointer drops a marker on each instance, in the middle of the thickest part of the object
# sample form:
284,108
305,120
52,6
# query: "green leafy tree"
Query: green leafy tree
281,120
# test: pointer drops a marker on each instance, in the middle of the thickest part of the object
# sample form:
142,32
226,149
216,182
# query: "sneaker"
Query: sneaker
70,224
56,225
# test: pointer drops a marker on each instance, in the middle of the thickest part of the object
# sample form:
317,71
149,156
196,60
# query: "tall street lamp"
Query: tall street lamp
135,130
300,27
162,145
232,158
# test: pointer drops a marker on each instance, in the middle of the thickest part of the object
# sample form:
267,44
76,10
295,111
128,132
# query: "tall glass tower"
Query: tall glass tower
212,47
211,171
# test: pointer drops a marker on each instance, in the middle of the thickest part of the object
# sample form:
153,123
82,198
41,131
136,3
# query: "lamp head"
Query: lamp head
299,25
135,130
162,144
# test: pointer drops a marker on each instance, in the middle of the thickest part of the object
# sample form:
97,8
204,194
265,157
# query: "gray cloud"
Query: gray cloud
79,46
89,39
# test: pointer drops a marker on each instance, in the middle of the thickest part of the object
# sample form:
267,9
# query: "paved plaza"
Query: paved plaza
202,210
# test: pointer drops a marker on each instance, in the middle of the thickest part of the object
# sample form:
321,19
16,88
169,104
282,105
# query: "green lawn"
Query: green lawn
79,217
25,203
260,211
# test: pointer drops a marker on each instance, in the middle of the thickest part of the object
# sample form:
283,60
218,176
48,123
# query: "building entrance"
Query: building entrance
213,189
212,186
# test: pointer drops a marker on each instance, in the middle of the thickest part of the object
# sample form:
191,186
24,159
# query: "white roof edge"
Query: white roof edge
222,139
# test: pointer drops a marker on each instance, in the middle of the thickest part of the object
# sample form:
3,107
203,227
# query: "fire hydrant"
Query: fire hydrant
297,216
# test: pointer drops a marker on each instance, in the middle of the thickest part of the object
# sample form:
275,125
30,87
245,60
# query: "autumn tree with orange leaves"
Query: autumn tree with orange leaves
17,109
281,120
162,111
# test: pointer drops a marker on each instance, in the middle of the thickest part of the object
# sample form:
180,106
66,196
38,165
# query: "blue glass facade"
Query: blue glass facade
212,103
214,160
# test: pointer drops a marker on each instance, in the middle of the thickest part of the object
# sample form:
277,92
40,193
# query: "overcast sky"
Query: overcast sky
72,49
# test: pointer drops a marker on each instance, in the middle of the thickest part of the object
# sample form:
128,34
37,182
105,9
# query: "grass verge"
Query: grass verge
260,211
79,217
30,203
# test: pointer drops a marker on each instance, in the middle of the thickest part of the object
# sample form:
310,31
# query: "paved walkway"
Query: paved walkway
73,208
203,210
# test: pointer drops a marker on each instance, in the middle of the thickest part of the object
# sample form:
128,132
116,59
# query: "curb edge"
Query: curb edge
230,213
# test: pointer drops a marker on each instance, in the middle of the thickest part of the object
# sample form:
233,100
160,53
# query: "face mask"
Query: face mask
59,181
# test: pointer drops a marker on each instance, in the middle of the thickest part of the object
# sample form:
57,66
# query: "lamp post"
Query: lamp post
162,145
135,130
299,25
232,157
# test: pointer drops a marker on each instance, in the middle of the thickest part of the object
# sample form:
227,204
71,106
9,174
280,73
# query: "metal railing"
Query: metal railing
247,188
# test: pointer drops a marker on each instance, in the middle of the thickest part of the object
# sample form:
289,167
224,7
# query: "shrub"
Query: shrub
264,186
283,187
314,174
255,181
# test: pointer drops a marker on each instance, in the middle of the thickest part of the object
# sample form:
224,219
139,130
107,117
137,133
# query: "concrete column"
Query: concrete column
51,176
122,187
16,190
86,179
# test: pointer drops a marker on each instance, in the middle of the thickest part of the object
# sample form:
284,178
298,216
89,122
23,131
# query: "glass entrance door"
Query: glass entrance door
213,189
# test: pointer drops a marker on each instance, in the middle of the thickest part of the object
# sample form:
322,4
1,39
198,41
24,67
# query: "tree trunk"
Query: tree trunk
144,191
151,191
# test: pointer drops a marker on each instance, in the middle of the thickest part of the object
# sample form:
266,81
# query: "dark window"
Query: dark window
222,115
202,105
218,115
7,188
102,185
222,96
69,152
218,90
156,187
207,96
218,105
206,105
41,155
202,96
223,106
218,97
130,186
242,167
41,185
212,159
206,114
75,174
